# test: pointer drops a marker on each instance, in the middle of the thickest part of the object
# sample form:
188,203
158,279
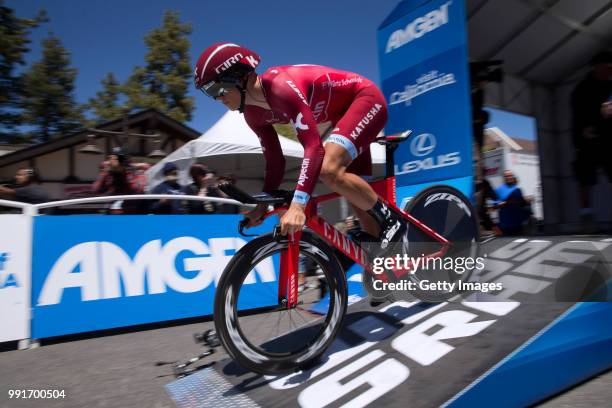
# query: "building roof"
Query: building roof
143,121
6,148
544,41
528,146
496,138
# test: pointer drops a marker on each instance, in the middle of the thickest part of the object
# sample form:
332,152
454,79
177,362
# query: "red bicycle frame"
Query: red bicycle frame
288,279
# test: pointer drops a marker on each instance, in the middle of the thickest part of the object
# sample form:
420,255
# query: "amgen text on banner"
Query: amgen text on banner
105,271
418,27
410,36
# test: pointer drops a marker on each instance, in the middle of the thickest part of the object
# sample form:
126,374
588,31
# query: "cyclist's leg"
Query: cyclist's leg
333,173
340,173
351,138
362,166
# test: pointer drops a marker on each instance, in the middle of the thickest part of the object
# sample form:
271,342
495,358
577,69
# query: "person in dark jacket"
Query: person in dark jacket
27,188
170,185
592,128
204,185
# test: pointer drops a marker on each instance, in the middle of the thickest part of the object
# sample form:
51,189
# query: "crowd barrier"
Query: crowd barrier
69,274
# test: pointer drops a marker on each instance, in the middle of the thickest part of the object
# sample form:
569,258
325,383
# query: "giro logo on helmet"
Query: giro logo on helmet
228,63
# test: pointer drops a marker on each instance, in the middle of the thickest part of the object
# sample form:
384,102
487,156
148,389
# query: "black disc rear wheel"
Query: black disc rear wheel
448,212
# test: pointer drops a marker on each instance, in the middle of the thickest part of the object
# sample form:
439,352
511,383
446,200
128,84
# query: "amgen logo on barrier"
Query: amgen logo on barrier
418,27
102,270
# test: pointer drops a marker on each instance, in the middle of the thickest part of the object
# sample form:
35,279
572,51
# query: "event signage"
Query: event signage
15,250
424,69
114,271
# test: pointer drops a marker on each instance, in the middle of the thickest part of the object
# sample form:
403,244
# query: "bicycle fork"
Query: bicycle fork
288,278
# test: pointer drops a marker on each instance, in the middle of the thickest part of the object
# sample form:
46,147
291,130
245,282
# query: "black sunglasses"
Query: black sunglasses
216,89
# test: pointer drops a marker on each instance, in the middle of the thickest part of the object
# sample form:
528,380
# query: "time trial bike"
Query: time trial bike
295,322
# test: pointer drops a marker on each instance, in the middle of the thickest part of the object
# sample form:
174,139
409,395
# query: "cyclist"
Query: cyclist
306,96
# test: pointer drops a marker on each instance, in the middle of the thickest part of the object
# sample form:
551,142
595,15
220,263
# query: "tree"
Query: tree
164,81
14,44
106,106
49,104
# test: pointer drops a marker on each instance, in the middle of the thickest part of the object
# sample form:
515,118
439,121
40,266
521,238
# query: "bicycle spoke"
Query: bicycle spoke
280,315
300,315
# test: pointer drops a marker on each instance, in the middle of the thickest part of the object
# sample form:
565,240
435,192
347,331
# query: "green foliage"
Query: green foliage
163,83
48,101
106,104
14,44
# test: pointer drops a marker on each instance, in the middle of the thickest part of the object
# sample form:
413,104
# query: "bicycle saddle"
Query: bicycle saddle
393,139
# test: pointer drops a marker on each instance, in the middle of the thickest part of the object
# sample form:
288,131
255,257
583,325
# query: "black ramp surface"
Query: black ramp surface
432,355
422,355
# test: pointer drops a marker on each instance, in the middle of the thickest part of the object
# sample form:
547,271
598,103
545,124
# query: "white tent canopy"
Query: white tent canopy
231,147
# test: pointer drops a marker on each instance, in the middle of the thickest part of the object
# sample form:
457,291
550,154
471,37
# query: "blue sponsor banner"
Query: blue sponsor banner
99,272
425,79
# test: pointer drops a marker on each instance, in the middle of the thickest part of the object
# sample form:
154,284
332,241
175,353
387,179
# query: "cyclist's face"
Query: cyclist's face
231,99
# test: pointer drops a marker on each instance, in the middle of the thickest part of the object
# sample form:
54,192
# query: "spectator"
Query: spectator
592,128
204,185
116,177
513,208
488,227
27,188
227,208
170,185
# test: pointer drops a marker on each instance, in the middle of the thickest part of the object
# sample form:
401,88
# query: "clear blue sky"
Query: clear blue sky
107,35
513,124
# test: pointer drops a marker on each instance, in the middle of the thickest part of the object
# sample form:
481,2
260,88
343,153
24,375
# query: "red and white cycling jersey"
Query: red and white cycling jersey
307,95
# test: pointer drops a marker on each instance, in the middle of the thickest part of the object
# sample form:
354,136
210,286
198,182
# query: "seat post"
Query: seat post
390,159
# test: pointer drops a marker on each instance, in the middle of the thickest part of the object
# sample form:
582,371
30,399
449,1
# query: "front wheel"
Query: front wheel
256,328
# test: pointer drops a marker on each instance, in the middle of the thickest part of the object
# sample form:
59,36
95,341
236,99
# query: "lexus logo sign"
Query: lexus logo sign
423,144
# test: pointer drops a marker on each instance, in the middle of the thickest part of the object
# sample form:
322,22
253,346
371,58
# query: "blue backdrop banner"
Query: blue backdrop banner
425,79
99,272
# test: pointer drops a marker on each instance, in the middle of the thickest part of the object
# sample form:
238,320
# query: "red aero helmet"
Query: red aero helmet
220,59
